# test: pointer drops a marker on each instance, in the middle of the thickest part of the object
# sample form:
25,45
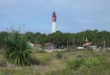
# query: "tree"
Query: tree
56,38
3,35
30,36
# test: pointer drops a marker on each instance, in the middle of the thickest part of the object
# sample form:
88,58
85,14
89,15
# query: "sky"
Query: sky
72,15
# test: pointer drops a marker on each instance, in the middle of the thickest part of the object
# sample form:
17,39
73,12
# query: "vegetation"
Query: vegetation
42,58
62,40
93,64
74,63
59,55
40,51
17,50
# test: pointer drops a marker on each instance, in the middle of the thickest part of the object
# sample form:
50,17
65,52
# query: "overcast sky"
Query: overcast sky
72,15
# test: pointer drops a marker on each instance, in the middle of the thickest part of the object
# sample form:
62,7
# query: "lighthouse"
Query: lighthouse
53,22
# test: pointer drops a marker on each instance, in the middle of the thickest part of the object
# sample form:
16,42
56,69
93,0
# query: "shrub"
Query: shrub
17,50
74,63
59,55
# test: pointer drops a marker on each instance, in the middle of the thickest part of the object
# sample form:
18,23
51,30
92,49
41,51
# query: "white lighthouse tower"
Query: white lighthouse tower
54,22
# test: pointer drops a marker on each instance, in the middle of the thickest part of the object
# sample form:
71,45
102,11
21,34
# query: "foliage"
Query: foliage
89,62
64,39
3,36
86,61
59,55
99,38
17,50
36,38
74,63
102,58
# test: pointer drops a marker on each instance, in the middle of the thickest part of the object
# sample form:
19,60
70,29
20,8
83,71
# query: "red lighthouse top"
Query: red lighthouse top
54,17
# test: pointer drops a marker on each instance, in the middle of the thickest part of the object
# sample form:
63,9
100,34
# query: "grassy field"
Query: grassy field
87,62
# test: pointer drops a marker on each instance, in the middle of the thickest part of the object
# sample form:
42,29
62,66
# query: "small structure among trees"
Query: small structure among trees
49,46
87,44
38,46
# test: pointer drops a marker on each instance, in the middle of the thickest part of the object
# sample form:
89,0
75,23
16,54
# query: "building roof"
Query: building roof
37,45
49,44
87,44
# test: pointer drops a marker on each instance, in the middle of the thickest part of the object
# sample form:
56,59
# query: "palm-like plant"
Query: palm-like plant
17,50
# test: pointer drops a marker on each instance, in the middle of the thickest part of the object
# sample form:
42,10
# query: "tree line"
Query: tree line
62,40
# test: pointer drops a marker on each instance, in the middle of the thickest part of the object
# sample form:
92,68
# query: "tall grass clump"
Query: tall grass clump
89,62
17,50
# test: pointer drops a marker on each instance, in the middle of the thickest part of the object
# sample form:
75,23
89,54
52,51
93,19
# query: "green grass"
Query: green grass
39,51
43,58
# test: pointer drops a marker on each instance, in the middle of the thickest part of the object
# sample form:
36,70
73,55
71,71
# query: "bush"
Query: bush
59,55
17,50
74,63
